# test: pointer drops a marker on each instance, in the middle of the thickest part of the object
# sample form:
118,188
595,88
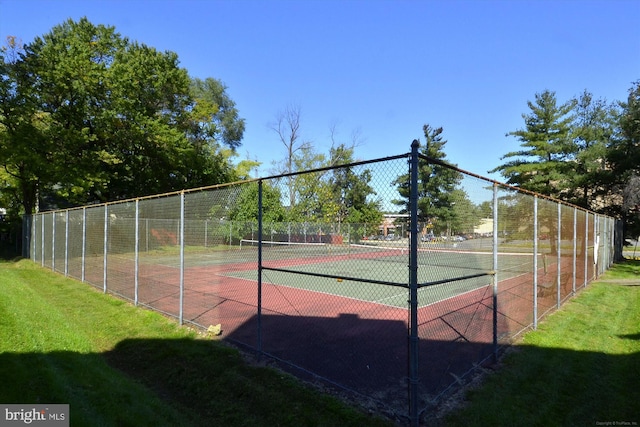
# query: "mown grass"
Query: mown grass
580,368
61,341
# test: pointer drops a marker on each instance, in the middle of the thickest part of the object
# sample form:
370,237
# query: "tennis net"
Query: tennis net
453,259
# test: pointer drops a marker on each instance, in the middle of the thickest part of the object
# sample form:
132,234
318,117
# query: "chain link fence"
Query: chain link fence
377,287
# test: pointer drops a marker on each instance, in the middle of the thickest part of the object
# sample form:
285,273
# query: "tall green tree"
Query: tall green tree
104,118
216,119
438,185
352,197
542,163
24,146
624,160
339,195
624,154
593,130
245,206
465,215
308,189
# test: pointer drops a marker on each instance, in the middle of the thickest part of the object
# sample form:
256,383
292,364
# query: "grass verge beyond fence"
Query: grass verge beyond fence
383,310
117,365
580,368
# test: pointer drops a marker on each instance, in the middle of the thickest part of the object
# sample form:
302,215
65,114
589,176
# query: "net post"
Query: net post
413,287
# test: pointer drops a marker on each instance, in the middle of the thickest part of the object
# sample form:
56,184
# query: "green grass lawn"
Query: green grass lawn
61,341
580,368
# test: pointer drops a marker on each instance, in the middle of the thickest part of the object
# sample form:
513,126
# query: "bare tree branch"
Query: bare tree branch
287,127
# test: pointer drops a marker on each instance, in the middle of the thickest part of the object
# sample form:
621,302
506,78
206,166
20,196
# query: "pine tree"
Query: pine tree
438,185
543,164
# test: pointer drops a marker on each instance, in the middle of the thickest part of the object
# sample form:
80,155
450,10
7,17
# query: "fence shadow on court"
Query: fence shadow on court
364,357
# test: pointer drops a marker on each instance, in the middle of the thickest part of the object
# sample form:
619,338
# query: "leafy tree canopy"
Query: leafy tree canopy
88,115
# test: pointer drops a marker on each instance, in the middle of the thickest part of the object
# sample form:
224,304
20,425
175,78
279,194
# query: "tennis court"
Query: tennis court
332,301
371,273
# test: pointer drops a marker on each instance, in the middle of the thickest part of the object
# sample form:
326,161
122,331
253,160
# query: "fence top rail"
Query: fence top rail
153,196
339,166
229,184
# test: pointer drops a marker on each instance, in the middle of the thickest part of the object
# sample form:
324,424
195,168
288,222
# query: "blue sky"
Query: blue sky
379,67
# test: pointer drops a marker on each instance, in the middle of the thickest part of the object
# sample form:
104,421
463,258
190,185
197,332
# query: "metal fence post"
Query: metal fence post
413,287
53,241
66,242
496,218
575,250
558,258
146,238
206,225
586,250
596,245
259,308
136,254
105,248
42,245
84,242
181,256
535,262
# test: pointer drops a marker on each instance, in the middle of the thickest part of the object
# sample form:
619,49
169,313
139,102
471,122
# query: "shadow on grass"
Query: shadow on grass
96,393
169,382
630,336
196,382
555,386
628,267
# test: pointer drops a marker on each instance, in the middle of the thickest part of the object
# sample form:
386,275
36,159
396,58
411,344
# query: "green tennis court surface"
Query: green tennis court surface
348,263
396,296
353,265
